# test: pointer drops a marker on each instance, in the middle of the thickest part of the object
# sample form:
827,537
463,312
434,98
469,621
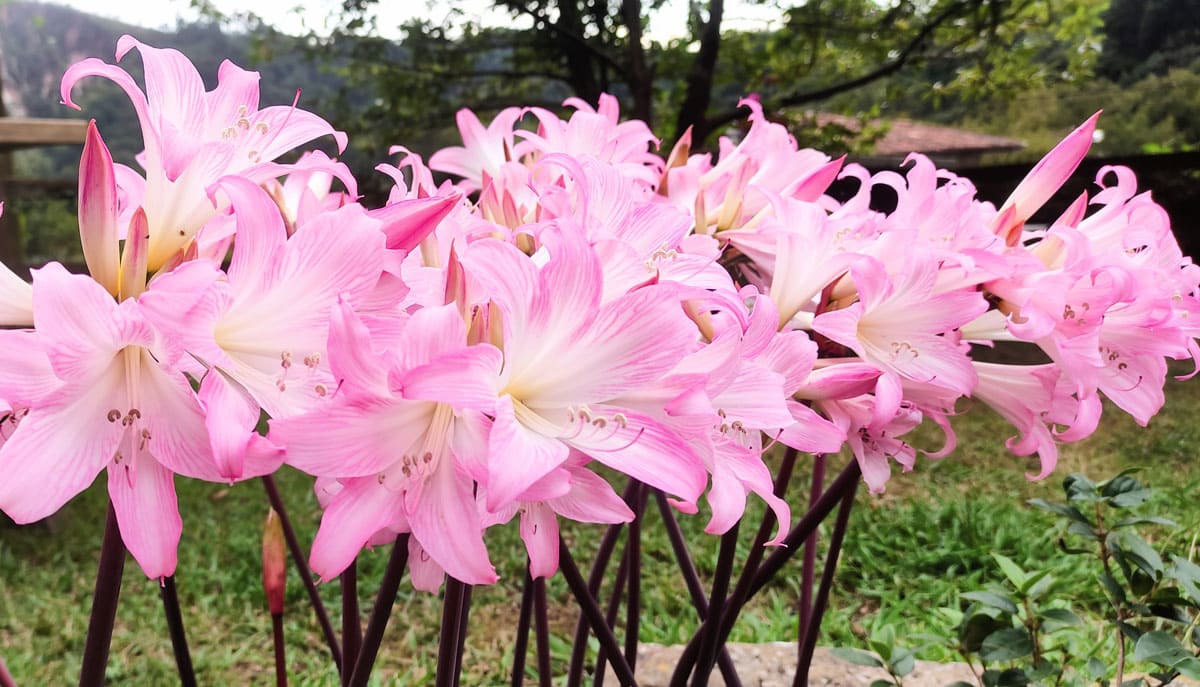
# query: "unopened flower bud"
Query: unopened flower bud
274,558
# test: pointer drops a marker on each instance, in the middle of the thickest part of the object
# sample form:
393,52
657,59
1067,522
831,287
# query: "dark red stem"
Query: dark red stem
808,570
822,600
380,614
183,658
351,622
541,618
448,656
691,579
280,650
104,604
521,648
716,604
591,610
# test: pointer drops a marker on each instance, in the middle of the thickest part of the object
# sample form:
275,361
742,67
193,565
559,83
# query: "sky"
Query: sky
295,17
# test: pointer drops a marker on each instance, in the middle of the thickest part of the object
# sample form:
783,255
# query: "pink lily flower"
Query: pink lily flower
484,150
266,325
597,133
392,437
193,137
568,359
572,492
121,404
905,326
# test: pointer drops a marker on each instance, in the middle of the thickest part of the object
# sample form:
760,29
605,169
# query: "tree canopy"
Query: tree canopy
819,49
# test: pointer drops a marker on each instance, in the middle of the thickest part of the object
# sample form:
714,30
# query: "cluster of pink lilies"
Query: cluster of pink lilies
474,349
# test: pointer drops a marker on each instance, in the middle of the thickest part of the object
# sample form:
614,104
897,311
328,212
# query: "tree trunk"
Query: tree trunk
700,78
641,77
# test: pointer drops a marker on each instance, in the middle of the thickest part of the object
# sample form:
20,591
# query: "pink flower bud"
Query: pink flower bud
274,557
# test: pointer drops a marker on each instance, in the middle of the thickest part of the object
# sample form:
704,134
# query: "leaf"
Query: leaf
857,657
1011,570
1123,483
1082,530
1130,499
1061,509
993,600
1037,584
903,662
882,683
1013,677
1115,591
1095,668
1172,613
977,628
1189,667
1006,645
1042,671
1055,619
1079,488
1187,574
1143,520
1139,553
883,641
1161,648
1133,633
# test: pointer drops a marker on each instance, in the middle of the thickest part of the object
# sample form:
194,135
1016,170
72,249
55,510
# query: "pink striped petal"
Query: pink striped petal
539,531
143,496
59,448
353,516
517,456
445,521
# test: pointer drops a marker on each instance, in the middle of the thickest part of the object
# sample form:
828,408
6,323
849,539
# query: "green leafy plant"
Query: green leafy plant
897,661
1024,632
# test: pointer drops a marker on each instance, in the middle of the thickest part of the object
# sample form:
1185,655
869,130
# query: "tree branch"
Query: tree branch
573,37
906,54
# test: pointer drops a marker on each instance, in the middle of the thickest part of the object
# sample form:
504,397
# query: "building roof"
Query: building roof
905,136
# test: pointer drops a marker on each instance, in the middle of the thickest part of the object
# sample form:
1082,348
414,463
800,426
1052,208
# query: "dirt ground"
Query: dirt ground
773,665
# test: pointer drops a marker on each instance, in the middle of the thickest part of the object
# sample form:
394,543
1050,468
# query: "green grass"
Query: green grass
909,552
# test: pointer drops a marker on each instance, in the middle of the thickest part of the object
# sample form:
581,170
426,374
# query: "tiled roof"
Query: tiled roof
905,136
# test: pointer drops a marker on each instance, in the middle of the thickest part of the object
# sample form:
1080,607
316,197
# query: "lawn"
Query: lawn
908,553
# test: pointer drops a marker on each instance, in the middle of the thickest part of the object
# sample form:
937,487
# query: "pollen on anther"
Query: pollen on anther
321,390
262,127
114,415
427,458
